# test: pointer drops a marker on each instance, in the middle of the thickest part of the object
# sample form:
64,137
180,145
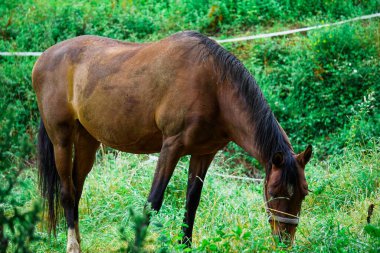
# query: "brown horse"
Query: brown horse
183,95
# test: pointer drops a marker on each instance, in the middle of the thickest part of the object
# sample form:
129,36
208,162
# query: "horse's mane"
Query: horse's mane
268,134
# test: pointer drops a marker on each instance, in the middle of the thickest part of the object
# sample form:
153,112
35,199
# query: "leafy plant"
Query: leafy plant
139,225
17,226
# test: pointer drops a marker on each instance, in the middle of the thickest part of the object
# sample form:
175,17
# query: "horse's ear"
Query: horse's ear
278,159
305,156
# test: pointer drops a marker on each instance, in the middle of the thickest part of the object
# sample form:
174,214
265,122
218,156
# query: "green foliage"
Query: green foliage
36,25
140,230
372,230
321,87
17,226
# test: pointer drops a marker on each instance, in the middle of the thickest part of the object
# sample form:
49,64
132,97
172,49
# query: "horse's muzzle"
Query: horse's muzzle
284,233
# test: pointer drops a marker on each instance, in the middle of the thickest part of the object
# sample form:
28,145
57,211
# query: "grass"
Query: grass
231,216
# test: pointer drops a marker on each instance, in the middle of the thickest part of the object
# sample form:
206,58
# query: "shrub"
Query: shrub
316,84
17,226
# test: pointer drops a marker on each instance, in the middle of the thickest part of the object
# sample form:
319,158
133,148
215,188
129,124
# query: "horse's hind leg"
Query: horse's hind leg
85,147
62,138
197,172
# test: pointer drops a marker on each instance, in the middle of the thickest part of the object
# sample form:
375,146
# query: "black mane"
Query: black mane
268,134
270,137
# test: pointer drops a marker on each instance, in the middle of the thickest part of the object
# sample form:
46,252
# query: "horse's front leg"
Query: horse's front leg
197,172
170,153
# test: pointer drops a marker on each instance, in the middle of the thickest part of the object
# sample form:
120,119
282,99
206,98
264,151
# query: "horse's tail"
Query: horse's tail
48,178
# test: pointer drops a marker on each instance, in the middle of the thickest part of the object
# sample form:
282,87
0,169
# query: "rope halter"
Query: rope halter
294,220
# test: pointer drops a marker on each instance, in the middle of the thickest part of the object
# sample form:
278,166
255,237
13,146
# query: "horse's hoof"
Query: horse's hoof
73,247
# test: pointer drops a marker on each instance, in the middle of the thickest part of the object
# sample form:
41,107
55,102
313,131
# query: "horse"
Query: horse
182,95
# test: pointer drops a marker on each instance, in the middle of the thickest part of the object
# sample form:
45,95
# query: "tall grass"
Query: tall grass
231,216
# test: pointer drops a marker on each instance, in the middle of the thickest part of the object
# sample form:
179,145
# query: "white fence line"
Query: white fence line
269,35
153,159
20,53
236,177
238,39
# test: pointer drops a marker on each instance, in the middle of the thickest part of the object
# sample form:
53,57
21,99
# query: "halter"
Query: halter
293,221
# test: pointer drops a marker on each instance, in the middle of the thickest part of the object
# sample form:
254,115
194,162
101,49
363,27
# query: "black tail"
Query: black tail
48,178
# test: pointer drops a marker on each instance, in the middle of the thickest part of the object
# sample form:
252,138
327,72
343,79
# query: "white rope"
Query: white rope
245,38
269,35
272,216
20,53
236,177
153,158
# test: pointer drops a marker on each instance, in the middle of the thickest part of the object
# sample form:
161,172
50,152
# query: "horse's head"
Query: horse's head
285,189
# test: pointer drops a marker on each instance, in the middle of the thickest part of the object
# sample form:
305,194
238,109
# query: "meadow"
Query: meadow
323,86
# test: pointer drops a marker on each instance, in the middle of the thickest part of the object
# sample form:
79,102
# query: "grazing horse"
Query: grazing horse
182,95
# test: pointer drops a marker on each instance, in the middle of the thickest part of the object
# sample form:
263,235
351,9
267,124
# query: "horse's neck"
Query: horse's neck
242,126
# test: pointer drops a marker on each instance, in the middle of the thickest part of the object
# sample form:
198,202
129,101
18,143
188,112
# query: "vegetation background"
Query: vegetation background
323,87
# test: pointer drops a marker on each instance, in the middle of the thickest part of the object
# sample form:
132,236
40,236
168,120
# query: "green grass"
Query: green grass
231,216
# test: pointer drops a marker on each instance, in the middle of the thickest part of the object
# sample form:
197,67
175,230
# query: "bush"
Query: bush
316,85
36,25
17,226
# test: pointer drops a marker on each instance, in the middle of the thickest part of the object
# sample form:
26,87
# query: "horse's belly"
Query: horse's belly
144,145
126,125
127,139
